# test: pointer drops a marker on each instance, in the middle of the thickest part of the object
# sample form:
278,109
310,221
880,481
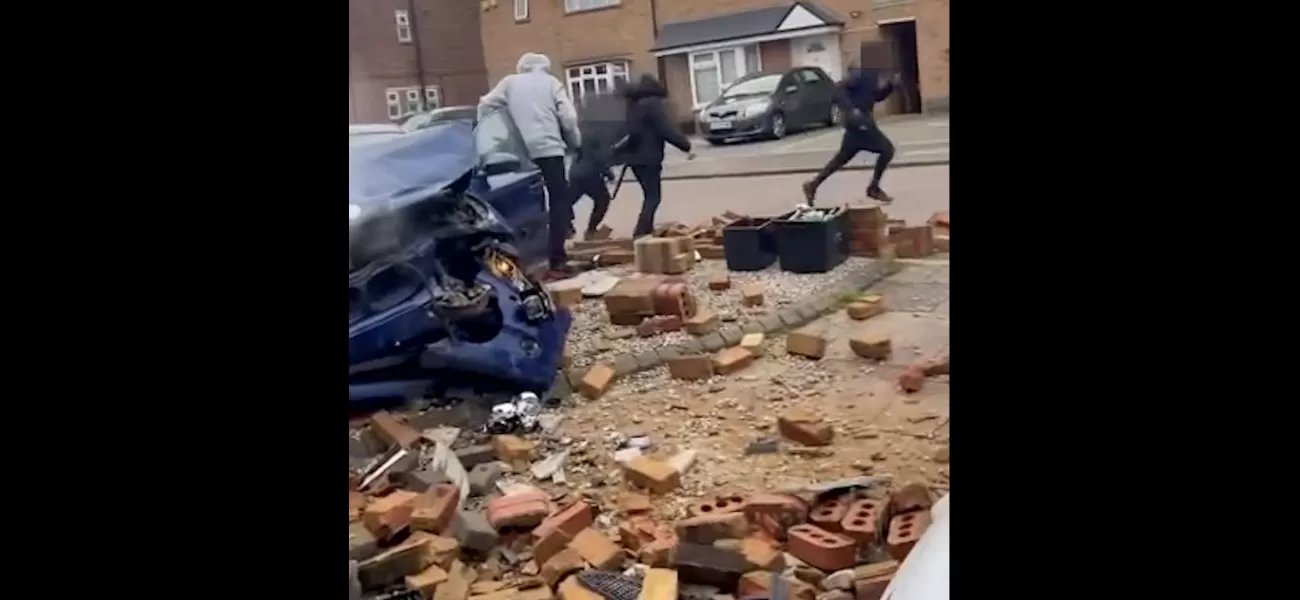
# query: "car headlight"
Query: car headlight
756,109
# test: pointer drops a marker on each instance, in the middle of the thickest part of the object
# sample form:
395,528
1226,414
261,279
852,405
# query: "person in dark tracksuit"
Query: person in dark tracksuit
857,95
648,128
603,125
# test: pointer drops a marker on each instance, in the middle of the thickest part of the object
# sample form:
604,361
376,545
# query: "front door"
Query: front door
821,51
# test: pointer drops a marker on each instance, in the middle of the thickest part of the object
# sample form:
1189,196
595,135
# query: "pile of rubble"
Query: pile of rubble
422,526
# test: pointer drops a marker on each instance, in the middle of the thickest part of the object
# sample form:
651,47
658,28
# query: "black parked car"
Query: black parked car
770,104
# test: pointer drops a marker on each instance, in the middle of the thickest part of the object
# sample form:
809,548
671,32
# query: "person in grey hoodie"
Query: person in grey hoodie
546,120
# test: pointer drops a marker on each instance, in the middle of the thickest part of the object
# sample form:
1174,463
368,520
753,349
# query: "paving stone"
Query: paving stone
790,317
771,323
752,327
807,312
575,376
647,359
826,303
713,342
731,334
668,353
625,364
689,347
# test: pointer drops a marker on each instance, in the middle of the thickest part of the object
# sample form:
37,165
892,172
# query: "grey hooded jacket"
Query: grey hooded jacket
538,105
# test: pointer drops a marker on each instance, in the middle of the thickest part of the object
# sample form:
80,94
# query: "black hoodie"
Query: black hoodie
648,126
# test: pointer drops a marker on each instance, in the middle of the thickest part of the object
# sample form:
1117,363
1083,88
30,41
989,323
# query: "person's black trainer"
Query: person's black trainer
879,195
809,192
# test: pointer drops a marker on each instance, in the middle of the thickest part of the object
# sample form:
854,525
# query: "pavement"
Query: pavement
918,193
919,140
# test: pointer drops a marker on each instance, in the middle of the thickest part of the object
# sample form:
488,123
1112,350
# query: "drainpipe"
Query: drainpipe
419,57
654,34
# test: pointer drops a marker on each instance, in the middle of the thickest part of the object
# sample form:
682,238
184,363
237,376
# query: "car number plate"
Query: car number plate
717,125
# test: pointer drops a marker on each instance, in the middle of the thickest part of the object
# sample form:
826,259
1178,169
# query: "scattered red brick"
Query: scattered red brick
904,531
823,549
912,379
523,509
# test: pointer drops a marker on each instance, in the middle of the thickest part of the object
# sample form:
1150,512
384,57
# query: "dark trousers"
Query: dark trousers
651,179
587,182
870,139
559,208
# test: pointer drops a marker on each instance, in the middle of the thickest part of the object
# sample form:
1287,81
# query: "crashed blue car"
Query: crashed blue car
443,225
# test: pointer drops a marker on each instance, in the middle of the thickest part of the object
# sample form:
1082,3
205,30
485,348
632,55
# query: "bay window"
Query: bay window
595,79
714,70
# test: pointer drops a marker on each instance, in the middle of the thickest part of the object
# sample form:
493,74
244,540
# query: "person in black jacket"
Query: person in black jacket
857,95
648,127
604,126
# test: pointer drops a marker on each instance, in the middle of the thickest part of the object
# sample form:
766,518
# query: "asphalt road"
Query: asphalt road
918,193
917,139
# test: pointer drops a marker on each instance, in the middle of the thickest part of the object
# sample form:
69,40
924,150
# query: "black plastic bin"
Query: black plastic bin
812,246
749,244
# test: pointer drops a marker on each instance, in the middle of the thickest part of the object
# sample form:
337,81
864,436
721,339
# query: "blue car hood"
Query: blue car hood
391,174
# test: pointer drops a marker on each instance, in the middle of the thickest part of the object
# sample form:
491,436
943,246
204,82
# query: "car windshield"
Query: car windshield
758,86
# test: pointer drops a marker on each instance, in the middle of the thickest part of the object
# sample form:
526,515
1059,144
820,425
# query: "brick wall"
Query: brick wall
451,53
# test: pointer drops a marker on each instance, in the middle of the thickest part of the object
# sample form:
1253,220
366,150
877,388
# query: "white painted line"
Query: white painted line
924,142
937,123
926,152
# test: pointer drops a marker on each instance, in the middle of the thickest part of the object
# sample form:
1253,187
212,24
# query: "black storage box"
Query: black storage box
812,246
749,244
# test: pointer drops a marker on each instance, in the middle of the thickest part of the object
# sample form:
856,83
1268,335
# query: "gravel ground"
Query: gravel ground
593,339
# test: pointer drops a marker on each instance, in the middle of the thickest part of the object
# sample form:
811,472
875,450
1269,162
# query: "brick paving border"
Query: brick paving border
729,334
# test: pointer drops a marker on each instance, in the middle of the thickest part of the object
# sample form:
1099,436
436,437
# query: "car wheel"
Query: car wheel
837,116
776,126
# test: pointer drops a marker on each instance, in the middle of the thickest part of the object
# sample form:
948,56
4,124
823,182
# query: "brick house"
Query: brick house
697,48
405,55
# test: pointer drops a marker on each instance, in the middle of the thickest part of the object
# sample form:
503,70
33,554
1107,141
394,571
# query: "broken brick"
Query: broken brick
873,588
758,584
868,571
387,515
390,566
706,565
356,505
704,321
829,514
822,549
659,584
565,296
759,554
805,428
472,456
426,581
731,360
561,564
711,251
806,343
864,520
752,294
523,509
690,368
718,504
386,427
654,475
912,379
719,282
634,503
596,382
597,549
910,496
706,529
752,342
549,543
571,520
512,448
361,543
473,531
861,311
839,580
774,514
904,531
435,508
938,366
636,532
459,578
659,551
836,595
871,346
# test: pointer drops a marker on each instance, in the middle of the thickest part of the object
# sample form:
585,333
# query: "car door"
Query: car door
519,195
819,93
792,101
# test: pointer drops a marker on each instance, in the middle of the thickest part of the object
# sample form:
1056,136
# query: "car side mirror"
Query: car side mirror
790,89
498,163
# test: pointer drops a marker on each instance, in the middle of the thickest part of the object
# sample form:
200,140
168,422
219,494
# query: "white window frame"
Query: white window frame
400,99
587,72
738,55
402,18
576,6
521,10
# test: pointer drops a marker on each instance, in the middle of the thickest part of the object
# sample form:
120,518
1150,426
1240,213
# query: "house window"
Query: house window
521,10
595,79
571,6
405,101
713,71
403,20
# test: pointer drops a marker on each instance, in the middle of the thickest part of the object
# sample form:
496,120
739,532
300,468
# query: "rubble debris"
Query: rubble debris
473,531
659,584
910,496
703,564
763,446
871,346
400,460
752,342
443,435
390,514
825,550
705,321
682,461
904,531
731,360
525,509
472,456
690,368
912,242
657,476
861,309
520,414
427,581
597,549
912,379
561,565
870,581
483,477
611,586
805,428
752,294
596,382
719,282
547,467
393,431
512,449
